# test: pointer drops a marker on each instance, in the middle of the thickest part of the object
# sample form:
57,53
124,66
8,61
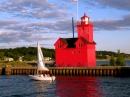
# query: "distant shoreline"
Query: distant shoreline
109,60
102,60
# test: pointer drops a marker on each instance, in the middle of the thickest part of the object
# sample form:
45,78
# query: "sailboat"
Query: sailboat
41,66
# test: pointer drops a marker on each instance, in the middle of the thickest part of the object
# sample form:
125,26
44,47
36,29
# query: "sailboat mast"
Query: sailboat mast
37,56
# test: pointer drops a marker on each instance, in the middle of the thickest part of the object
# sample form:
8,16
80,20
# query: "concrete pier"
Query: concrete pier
72,71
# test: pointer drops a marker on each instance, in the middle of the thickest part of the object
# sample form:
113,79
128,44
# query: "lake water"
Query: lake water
65,86
127,62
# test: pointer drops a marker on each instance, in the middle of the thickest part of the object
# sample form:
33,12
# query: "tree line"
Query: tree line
27,53
108,54
30,53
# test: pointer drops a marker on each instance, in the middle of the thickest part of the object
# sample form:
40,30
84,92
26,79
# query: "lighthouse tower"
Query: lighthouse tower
85,30
77,52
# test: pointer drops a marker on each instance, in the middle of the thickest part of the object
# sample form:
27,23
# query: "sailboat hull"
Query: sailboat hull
41,77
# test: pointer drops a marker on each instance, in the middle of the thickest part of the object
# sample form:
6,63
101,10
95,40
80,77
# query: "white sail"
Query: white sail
41,66
40,59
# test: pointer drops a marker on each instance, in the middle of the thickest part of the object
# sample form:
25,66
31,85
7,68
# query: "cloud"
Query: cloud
123,24
34,9
8,37
122,4
5,23
15,31
117,4
53,26
46,37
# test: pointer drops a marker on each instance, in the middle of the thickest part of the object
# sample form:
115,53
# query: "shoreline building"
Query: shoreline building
77,52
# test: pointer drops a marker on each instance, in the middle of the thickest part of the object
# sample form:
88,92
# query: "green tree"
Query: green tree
16,57
120,59
112,61
1,55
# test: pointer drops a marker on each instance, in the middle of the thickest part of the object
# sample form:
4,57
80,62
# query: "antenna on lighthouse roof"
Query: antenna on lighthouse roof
73,26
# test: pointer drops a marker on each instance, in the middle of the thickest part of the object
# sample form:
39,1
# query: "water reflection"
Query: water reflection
43,88
78,86
65,86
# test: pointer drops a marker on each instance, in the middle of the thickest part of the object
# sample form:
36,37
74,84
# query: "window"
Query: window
60,45
80,44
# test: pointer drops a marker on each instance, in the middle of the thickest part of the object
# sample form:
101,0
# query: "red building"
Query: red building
77,52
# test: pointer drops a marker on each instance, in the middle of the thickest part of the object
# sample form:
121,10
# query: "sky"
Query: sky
23,21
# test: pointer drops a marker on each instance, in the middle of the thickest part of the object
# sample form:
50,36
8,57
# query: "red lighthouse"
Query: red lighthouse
77,52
